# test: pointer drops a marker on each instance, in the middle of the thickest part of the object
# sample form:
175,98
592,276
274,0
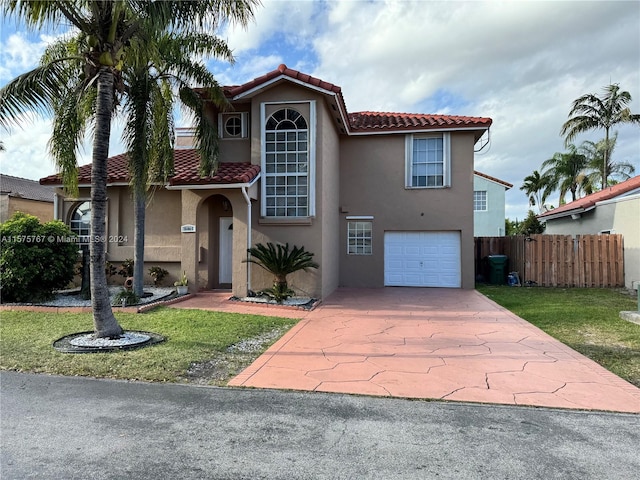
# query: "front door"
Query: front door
226,250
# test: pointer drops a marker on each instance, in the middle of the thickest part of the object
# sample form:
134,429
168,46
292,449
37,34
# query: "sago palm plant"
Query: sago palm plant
280,261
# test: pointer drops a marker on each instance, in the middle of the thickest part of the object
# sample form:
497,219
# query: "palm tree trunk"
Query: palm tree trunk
105,324
139,213
606,158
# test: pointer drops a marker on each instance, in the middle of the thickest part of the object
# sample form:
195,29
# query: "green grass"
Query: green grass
587,320
193,336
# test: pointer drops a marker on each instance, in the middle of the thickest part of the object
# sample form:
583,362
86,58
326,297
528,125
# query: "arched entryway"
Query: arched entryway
220,243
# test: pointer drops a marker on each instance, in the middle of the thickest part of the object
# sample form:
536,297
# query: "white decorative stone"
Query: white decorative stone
129,338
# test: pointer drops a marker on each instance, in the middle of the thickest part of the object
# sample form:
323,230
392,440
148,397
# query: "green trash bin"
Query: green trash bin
498,269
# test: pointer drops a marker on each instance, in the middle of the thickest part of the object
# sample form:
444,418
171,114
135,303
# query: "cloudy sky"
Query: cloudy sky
520,63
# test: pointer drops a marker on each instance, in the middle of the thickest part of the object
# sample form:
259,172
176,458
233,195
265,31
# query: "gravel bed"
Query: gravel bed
71,298
306,303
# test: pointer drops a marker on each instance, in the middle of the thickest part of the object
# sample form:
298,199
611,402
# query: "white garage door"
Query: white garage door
422,259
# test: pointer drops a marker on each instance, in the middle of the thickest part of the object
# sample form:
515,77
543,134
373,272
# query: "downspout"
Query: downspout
56,206
245,194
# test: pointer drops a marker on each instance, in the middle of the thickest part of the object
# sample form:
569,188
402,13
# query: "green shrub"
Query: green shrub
128,296
280,261
36,258
126,268
158,274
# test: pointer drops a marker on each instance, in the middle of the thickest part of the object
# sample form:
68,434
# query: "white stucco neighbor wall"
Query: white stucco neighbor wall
489,223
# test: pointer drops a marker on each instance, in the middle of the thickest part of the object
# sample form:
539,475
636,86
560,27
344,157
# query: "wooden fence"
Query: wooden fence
557,260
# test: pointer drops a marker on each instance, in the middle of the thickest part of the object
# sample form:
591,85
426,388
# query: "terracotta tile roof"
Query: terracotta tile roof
381,121
493,179
232,91
24,188
364,122
589,201
186,164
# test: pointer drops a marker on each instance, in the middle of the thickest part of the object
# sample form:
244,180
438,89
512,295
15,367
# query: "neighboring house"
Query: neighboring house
488,205
27,196
615,209
379,198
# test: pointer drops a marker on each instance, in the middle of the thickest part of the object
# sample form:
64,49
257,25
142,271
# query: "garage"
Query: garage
422,259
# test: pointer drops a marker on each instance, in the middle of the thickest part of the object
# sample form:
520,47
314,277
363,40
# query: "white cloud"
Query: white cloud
27,154
18,54
26,151
520,63
291,20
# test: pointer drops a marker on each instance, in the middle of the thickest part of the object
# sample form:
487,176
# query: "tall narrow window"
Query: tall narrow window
286,165
479,201
80,223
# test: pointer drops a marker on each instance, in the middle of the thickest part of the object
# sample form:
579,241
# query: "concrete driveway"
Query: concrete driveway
446,344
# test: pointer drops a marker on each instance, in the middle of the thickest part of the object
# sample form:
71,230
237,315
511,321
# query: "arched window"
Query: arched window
80,223
286,165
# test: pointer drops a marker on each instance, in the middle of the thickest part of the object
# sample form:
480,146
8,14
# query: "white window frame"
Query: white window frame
244,125
485,200
356,244
446,159
311,155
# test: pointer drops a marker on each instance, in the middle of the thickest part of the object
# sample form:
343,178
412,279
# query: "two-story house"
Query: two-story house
381,199
489,205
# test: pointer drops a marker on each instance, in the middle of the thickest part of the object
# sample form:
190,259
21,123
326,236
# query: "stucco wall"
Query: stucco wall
489,223
162,229
328,197
316,233
372,170
626,220
10,205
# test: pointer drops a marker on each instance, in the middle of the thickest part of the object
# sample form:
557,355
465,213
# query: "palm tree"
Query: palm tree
567,172
590,112
596,152
109,28
537,188
164,66
279,261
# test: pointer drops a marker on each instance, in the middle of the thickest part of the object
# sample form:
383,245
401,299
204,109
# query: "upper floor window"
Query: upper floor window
233,125
427,161
286,165
479,201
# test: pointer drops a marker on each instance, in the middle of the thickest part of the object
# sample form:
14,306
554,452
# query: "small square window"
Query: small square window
359,238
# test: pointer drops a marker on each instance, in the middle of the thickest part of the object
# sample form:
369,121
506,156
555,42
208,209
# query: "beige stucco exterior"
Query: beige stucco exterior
360,174
374,169
10,205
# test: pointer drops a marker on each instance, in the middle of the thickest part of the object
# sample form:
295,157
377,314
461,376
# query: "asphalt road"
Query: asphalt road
78,428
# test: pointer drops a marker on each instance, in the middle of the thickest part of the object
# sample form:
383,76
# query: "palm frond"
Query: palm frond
34,91
279,260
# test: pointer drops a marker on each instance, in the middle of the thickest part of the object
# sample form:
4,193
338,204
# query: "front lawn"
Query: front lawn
586,319
194,338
